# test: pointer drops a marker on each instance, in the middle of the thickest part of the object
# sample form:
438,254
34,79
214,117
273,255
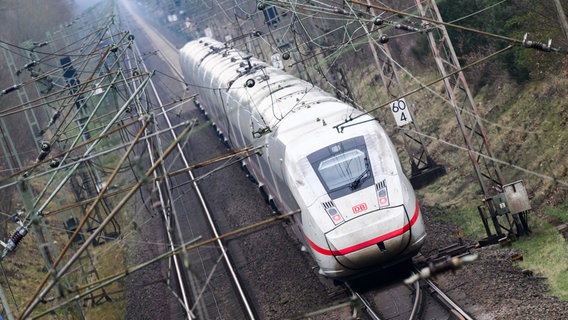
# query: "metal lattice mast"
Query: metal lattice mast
423,167
461,99
35,211
31,119
42,234
509,201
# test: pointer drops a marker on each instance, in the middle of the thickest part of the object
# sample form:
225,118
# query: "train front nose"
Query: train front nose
371,239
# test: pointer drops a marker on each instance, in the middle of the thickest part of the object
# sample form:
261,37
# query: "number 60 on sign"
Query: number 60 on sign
400,112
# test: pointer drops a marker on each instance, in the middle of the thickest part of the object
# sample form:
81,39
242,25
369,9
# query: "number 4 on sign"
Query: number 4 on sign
400,112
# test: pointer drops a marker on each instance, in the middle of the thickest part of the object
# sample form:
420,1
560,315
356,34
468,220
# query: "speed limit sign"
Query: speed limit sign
400,112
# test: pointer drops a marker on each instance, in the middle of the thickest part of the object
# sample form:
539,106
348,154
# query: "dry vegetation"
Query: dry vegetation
24,270
527,126
526,123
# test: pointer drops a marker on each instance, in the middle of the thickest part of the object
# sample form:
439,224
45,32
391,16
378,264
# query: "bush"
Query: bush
511,19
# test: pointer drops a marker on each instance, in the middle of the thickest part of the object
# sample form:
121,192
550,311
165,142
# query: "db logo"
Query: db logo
359,208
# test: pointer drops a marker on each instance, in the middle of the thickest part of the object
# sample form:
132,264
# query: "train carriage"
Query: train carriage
358,209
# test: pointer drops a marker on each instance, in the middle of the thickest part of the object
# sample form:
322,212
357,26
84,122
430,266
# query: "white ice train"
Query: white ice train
358,209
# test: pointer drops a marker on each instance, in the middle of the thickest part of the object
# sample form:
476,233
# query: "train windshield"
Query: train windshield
343,167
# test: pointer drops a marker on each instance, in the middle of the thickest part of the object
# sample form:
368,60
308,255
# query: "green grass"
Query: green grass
467,219
525,130
560,212
546,254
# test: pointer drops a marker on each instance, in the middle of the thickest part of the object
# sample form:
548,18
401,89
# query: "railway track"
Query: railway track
192,291
396,300
422,300
257,257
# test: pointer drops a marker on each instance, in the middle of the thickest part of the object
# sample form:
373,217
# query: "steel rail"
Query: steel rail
247,305
447,300
368,307
164,199
417,301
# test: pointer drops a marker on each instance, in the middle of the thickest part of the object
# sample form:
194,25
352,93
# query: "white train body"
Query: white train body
358,209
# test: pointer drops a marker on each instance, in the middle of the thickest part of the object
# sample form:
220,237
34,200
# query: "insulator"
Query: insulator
378,21
54,163
55,117
16,238
12,88
130,37
406,28
261,6
248,66
257,33
250,83
40,44
537,45
286,55
45,146
339,10
30,64
450,263
426,27
383,38
45,149
42,155
113,48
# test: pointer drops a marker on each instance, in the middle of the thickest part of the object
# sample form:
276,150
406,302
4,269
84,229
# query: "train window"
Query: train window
343,167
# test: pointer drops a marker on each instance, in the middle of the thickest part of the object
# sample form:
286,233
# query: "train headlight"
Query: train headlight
333,213
382,194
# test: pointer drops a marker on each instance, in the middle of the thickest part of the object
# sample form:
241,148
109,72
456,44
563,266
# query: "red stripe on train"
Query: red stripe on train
367,243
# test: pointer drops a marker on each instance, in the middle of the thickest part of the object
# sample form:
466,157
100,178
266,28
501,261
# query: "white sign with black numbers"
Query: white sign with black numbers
400,112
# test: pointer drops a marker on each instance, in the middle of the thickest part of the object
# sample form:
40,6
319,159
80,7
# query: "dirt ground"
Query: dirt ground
493,287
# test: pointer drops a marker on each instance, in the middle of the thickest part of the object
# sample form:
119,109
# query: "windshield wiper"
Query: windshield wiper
361,177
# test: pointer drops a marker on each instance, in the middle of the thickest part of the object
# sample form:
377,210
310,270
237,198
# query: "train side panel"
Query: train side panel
358,210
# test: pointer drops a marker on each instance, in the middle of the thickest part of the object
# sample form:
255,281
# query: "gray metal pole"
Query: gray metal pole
562,17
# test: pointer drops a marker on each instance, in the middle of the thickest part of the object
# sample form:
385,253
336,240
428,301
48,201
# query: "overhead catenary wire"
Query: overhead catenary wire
336,53
84,69
496,160
44,287
247,152
513,41
344,125
89,149
187,247
81,159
